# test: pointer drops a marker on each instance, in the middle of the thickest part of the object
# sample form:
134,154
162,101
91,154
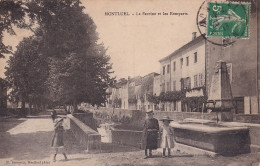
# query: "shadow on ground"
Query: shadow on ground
7,124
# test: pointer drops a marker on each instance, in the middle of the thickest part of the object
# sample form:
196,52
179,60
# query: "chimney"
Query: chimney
193,35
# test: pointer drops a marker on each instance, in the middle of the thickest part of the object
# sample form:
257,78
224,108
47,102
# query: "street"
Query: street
26,141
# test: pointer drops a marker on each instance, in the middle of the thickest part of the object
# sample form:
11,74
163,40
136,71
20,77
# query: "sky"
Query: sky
136,43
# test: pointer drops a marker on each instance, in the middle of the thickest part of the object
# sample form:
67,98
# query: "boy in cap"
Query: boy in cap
151,128
167,136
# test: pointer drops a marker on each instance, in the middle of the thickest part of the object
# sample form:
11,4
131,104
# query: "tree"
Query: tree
78,67
27,72
11,14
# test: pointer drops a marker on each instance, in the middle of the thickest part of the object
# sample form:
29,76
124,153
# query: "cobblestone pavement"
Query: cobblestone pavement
26,141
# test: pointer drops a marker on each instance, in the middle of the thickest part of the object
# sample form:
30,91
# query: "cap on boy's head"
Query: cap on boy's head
150,111
166,118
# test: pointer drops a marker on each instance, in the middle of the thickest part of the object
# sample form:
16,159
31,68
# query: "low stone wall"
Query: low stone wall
180,116
117,114
87,118
87,137
247,118
127,137
254,134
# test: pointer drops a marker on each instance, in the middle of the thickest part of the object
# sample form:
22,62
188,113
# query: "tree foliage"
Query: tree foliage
72,67
27,71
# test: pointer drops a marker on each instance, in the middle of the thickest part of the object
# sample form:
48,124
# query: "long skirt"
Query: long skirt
151,140
57,139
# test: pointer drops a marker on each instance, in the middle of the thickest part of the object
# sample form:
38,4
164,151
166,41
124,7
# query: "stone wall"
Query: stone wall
247,118
118,115
87,118
137,117
127,137
87,137
180,116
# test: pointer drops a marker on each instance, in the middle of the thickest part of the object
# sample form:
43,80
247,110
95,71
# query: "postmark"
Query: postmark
228,20
229,37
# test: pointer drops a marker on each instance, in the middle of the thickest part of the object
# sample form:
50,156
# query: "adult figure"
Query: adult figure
150,133
57,139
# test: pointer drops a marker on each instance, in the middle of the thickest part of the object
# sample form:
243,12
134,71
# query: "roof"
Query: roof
137,80
184,47
153,73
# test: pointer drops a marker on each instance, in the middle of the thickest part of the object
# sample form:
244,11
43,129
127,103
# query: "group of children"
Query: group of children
151,131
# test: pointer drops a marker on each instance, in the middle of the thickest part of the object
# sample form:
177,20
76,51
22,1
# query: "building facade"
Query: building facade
133,93
183,71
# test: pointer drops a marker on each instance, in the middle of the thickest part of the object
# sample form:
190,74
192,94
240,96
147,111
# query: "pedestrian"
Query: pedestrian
150,133
57,139
53,115
167,136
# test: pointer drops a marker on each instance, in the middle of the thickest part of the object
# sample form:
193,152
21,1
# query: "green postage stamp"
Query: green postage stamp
228,20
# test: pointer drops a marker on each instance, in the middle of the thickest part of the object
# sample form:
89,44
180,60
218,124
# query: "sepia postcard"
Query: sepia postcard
129,82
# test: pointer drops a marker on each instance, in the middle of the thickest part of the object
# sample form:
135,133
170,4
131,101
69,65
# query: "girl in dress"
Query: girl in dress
167,136
57,139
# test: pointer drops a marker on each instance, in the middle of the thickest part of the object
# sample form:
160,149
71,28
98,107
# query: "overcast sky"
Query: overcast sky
136,43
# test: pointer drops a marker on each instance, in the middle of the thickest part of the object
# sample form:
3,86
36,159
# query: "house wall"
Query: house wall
165,77
183,71
124,95
243,57
193,68
156,85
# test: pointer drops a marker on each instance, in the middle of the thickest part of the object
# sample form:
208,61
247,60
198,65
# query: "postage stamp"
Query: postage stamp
228,20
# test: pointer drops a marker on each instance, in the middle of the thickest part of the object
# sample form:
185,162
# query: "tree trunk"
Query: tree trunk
30,108
23,111
75,106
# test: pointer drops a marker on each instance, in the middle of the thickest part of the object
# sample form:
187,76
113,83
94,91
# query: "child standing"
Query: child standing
167,136
57,139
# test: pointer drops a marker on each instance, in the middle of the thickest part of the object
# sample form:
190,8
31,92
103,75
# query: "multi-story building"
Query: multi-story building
134,86
147,90
184,69
116,97
133,93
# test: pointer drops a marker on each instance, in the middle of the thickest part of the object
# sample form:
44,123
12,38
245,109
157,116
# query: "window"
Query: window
186,83
201,81
168,86
174,105
195,57
168,68
195,81
163,70
181,62
188,86
187,61
174,86
163,87
174,66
